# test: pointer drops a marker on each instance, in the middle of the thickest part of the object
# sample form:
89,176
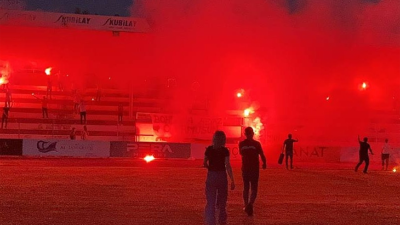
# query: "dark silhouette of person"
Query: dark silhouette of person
72,135
364,147
216,160
44,107
82,110
288,149
85,133
8,99
4,118
250,150
45,103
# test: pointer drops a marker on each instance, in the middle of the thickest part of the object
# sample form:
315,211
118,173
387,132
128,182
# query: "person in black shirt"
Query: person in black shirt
250,150
364,147
216,159
288,148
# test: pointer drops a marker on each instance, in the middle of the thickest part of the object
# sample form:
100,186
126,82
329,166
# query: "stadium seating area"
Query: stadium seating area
25,116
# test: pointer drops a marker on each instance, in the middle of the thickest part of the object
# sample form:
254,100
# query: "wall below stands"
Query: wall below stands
105,149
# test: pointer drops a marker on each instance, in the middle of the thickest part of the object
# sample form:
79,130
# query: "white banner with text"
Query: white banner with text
73,148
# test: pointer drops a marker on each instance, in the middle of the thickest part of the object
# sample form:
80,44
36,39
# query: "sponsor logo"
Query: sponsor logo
85,146
142,149
45,147
120,22
73,19
317,152
154,148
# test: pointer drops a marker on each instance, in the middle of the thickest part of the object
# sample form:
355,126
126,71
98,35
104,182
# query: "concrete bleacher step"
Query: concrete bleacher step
42,90
107,103
67,126
35,117
56,111
46,137
64,132
143,92
28,98
89,121
18,107
69,101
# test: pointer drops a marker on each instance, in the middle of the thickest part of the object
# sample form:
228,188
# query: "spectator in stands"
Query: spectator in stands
85,133
216,160
82,110
44,106
288,149
385,154
4,118
49,86
72,135
8,99
120,113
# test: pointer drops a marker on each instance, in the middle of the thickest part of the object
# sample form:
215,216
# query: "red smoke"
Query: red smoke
287,58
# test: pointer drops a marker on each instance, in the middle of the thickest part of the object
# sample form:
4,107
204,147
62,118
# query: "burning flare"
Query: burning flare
248,111
255,123
240,93
48,71
257,126
364,85
149,158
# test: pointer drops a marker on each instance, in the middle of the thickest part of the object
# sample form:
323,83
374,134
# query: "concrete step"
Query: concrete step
66,137
64,132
